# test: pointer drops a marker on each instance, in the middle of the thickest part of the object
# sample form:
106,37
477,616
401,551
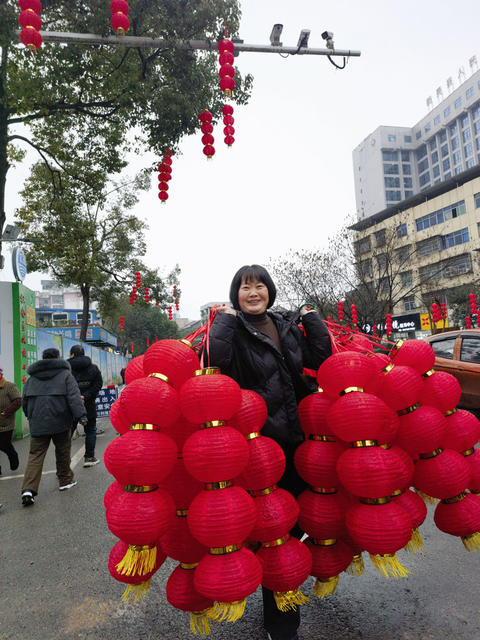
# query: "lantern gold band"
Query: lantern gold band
319,438
387,368
183,341
431,454
141,547
253,435
212,486
213,423
414,407
328,542
220,551
134,488
385,446
256,493
181,513
188,565
458,498
364,443
323,490
210,371
350,390
143,426
396,493
374,501
450,413
396,347
427,374
276,543
160,376
319,390
468,452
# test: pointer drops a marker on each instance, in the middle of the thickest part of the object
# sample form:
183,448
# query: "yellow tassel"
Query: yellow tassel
472,543
415,544
356,567
389,565
135,592
425,498
138,561
199,622
229,611
288,600
324,588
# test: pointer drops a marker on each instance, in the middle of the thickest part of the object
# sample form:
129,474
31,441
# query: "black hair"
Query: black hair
77,350
248,273
50,354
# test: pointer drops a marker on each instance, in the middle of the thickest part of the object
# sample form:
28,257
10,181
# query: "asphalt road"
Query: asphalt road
54,582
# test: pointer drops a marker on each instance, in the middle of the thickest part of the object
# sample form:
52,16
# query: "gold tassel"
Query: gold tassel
138,561
288,600
389,565
135,592
415,544
229,611
199,622
324,588
356,567
472,543
427,499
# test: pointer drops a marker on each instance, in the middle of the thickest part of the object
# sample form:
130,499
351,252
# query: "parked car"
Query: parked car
458,353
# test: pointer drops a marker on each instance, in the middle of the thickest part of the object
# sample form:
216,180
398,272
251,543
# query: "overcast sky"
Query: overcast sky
287,182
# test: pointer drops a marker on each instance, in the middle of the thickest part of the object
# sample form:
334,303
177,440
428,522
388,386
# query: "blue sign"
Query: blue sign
19,264
104,401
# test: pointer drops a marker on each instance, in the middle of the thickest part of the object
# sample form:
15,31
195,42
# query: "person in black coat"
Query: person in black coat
266,352
51,400
89,380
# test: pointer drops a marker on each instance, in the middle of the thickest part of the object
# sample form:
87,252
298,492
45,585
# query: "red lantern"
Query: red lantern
401,388
150,401
118,418
322,513
276,513
316,461
417,510
206,119
473,461
421,430
372,417
312,413
174,359
266,463
468,322
164,175
460,516
31,38
182,486
462,431
170,313
209,396
137,585
389,324
443,307
441,474
178,542
441,390
353,312
417,354
138,279
472,302
347,371
436,312
111,494
251,414
119,21
340,313
216,454
31,23
228,120
329,558
29,19
181,594
122,323
227,71
134,369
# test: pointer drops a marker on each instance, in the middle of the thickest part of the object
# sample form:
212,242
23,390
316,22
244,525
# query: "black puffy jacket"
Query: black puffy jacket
89,380
51,398
252,359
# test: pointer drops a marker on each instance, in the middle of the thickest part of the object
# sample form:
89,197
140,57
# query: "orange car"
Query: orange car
458,353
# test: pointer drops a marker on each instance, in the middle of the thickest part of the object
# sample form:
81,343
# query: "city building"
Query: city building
205,309
395,163
426,246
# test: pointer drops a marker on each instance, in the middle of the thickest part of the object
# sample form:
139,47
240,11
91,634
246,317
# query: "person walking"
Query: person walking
266,352
10,402
51,401
89,380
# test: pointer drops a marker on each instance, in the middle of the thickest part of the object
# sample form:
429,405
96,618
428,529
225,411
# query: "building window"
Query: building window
436,171
434,157
404,254
363,245
421,152
457,103
405,156
382,262
444,150
390,169
423,165
424,178
458,170
457,265
476,127
467,135
407,183
446,164
476,111
442,136
468,150
380,238
418,135
454,143
393,196
447,175
407,169
477,143
407,138
477,200
436,120
408,194
401,230
384,285
365,268
432,144
464,121
446,112
457,157
470,163
430,245
392,138
406,279
469,93
409,303
428,126
390,156
453,128
456,237
392,183
441,215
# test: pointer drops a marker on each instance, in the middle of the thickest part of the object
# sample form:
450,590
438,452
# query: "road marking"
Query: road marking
73,463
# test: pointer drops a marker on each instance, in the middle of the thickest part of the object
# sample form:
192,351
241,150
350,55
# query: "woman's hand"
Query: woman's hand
305,310
227,310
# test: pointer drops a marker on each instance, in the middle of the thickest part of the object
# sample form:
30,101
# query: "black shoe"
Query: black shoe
27,498
100,432
14,462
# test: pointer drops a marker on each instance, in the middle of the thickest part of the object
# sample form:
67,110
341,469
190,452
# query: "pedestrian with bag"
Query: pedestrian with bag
10,402
89,380
266,352
51,401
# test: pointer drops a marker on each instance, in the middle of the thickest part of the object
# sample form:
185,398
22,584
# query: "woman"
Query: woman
10,402
266,352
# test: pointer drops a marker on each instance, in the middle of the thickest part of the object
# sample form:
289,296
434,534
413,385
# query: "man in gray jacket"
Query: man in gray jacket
51,401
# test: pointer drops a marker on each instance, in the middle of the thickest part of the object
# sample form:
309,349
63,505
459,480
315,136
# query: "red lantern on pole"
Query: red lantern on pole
138,280
389,324
164,175
227,71
468,322
472,303
443,307
170,313
119,20
228,121
353,312
206,119
147,295
122,323
31,23
436,313
340,313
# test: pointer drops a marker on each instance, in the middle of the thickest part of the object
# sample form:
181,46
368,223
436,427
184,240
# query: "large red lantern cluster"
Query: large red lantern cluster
228,121
119,20
472,303
207,140
468,322
227,70
122,323
164,175
354,314
31,23
389,325
340,313
436,312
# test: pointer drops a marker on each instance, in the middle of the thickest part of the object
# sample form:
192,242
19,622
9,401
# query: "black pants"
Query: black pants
7,447
283,625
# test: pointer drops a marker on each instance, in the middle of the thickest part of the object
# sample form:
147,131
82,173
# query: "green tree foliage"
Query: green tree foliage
96,246
72,100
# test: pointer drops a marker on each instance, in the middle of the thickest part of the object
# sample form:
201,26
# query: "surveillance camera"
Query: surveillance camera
275,35
328,36
303,38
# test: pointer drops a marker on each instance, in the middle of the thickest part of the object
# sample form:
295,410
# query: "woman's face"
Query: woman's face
253,297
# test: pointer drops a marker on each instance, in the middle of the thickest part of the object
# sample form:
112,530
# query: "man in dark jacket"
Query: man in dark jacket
51,401
89,380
